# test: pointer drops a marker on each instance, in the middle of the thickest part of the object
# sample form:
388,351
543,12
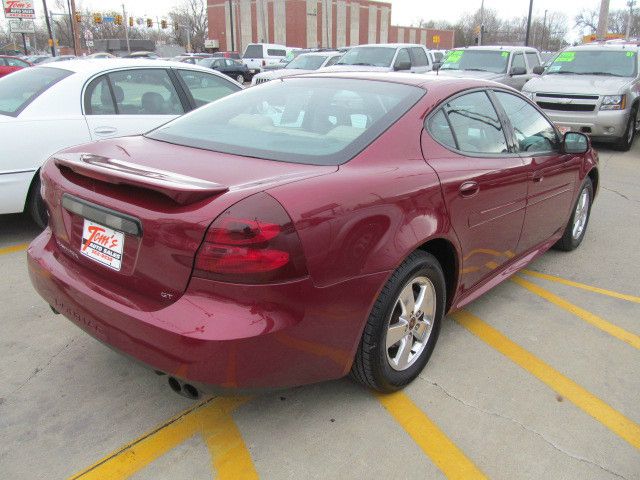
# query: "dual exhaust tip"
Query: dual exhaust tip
182,388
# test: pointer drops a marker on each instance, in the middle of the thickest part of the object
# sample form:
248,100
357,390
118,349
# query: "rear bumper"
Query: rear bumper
603,125
218,335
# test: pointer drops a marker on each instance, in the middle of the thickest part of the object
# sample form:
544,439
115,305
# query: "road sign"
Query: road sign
209,43
436,39
18,9
17,25
108,19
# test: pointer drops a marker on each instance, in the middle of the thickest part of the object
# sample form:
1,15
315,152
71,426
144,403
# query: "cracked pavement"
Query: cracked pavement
66,400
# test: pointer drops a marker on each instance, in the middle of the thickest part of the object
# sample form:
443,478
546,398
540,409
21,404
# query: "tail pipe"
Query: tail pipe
182,388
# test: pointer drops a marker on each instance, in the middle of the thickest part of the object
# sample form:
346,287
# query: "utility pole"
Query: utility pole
630,4
544,30
480,34
72,22
125,20
526,38
46,16
603,20
233,46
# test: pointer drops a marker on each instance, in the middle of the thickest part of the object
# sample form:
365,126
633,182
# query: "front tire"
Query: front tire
35,204
403,327
240,79
576,228
624,143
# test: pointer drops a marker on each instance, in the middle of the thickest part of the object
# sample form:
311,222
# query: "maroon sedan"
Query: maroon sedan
309,228
11,64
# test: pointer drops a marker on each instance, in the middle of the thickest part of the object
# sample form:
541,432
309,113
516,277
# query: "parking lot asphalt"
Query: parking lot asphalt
540,378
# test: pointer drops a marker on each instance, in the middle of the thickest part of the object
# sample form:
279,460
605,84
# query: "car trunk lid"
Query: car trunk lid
156,200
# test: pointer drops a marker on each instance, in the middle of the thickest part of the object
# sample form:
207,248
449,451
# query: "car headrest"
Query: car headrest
152,103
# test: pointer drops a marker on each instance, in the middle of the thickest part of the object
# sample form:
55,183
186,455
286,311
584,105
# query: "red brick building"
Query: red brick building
313,23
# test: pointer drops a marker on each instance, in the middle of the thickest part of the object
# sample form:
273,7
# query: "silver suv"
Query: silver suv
512,66
593,89
385,57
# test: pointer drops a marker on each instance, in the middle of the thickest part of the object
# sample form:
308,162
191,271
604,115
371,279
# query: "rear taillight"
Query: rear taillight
254,241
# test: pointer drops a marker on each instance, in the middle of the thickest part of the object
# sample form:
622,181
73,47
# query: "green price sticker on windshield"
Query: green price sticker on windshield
455,56
505,54
630,54
566,57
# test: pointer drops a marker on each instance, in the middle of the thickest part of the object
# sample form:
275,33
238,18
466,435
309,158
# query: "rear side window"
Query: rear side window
476,125
22,87
253,51
419,57
274,52
319,121
440,129
145,92
100,100
533,59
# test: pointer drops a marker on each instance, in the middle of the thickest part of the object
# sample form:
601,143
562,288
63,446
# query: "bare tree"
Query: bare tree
191,15
587,21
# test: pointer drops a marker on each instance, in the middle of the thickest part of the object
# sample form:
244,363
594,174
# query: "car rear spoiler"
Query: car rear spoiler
181,189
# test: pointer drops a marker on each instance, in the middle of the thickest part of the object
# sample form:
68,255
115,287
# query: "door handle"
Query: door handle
469,189
104,130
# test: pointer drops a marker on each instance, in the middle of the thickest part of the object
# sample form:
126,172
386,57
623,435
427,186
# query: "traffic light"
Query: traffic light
78,17
163,24
149,23
118,20
97,18
131,21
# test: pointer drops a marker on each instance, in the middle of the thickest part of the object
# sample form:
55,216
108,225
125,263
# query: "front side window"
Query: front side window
21,88
205,87
534,134
419,57
518,61
403,57
274,52
145,92
617,63
533,60
476,60
306,62
313,121
476,125
253,51
368,56
332,61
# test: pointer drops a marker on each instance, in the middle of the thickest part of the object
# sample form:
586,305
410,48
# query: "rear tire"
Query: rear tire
408,310
35,204
624,144
576,228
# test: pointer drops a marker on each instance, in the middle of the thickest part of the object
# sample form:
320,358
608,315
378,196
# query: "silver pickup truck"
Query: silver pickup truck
593,89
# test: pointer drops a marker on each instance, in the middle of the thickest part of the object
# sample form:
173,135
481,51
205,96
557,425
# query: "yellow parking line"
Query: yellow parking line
607,327
583,399
433,442
136,455
571,283
229,455
13,248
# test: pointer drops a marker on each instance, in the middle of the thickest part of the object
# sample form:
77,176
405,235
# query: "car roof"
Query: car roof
96,65
422,81
319,54
388,45
605,46
506,48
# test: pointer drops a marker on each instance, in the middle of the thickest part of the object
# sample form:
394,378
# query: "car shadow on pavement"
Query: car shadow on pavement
16,229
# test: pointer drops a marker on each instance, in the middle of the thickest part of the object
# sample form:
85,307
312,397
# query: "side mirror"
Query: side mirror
437,66
575,142
518,71
402,66
539,70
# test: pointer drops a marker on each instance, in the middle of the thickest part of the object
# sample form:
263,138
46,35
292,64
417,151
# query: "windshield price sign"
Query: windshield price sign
18,9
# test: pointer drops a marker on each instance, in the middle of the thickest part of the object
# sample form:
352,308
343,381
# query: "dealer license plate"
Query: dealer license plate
102,244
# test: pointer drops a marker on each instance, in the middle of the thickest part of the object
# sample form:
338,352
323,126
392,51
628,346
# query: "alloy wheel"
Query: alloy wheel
581,214
411,323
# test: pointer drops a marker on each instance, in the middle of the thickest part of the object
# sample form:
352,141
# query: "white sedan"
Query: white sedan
47,108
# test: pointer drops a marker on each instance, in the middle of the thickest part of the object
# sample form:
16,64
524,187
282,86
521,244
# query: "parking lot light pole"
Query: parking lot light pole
603,20
526,38
630,4
481,23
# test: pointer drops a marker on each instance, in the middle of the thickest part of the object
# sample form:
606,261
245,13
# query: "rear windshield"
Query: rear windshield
494,61
306,62
317,121
253,51
21,88
368,56
617,63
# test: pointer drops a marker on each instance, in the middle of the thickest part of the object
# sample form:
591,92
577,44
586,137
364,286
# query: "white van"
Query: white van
259,55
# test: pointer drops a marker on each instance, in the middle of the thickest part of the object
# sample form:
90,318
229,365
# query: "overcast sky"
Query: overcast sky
404,12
